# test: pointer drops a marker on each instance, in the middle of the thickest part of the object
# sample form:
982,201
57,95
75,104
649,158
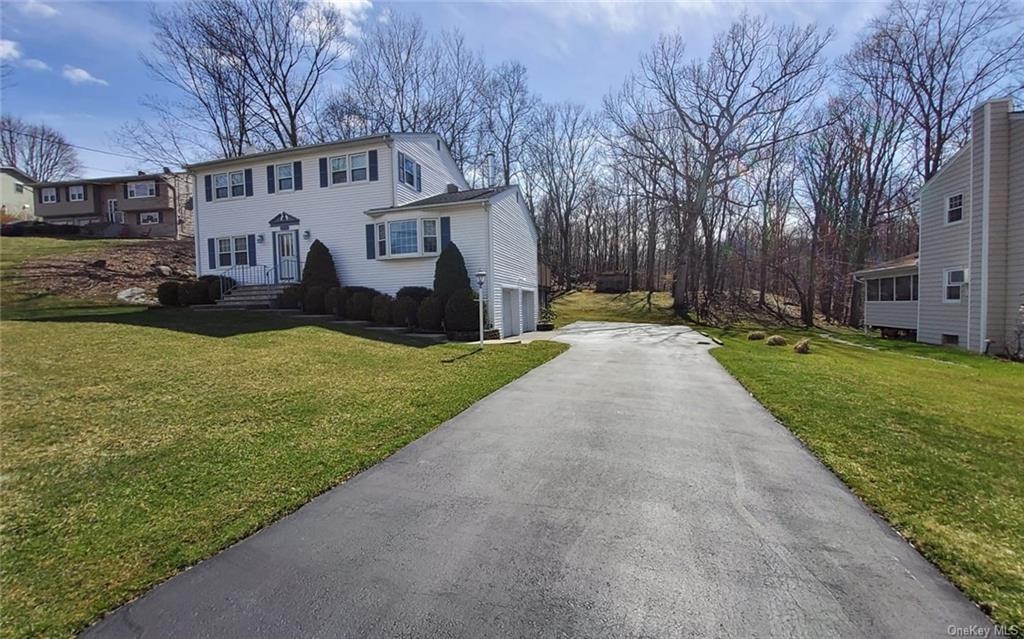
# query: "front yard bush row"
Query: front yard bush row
205,290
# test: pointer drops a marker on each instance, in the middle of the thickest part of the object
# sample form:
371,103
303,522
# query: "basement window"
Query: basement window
950,340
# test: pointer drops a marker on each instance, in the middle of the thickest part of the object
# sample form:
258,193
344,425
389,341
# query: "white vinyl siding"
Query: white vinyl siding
514,257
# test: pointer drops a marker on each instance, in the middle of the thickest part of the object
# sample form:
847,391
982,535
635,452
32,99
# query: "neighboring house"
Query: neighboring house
16,193
966,285
385,205
141,205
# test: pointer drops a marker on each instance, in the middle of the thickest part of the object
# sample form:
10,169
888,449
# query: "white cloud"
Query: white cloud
37,9
80,76
35,65
353,13
9,50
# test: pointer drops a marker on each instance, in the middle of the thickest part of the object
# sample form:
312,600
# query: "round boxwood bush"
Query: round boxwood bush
462,312
359,306
313,301
333,301
167,292
430,314
382,309
290,297
405,311
417,293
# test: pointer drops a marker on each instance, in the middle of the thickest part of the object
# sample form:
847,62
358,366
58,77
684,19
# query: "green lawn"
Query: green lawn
135,443
931,438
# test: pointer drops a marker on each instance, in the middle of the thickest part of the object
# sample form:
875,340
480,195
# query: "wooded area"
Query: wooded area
763,171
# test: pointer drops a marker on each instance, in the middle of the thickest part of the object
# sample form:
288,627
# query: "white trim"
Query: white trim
277,177
81,193
49,195
970,246
133,194
233,250
985,214
227,175
420,252
946,283
348,169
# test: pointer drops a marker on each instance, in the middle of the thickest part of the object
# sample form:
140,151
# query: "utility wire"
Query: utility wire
78,146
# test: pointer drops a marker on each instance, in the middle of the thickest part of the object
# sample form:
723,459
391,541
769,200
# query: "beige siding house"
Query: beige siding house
970,266
141,205
16,194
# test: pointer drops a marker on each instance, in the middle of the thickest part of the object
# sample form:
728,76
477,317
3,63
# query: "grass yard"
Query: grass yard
135,443
931,438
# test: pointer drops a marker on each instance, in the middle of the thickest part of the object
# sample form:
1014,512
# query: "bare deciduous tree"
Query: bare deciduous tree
509,107
36,149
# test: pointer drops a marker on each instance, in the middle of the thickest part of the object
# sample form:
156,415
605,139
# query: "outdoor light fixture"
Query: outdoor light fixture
259,238
306,234
481,277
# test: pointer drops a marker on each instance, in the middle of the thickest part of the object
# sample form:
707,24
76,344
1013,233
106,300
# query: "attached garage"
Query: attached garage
510,316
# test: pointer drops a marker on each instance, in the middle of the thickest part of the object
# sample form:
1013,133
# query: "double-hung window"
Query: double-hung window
430,236
285,182
138,190
49,195
408,168
76,193
954,208
232,251
358,167
382,239
228,185
339,169
953,285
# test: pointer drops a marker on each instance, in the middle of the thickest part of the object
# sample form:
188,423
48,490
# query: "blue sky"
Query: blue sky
76,64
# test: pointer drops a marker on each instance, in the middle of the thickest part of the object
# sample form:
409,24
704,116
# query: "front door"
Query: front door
286,250
113,215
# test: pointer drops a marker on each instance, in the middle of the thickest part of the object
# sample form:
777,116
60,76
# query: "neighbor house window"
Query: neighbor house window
954,281
358,167
408,168
430,236
49,195
349,168
19,187
149,218
284,177
904,288
141,189
339,170
228,185
885,291
914,292
76,193
402,237
954,208
382,239
232,251
872,290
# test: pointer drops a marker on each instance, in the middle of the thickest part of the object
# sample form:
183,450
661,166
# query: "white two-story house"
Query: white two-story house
385,205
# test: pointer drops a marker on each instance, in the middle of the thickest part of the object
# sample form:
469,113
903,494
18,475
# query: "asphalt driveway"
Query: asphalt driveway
630,487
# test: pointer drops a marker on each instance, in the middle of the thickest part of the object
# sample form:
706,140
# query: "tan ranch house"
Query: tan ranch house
141,205
965,285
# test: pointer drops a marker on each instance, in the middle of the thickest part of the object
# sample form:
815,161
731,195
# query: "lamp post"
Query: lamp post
481,277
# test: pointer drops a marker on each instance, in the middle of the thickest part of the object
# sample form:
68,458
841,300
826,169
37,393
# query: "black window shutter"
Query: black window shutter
39,194
125,185
446,232
156,187
297,174
372,161
67,193
252,250
85,191
401,167
270,178
160,217
248,183
323,172
371,241
208,183
212,246
56,192
419,185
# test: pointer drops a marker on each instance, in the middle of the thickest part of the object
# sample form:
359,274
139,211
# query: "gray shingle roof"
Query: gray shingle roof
469,195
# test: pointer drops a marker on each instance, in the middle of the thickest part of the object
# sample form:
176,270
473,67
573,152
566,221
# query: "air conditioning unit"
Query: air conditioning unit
967,276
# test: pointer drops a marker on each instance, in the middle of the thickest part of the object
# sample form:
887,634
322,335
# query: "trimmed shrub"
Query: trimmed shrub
755,335
167,292
803,346
405,310
319,268
334,302
313,300
290,297
417,293
450,273
213,286
359,306
776,340
430,314
461,313
185,296
383,309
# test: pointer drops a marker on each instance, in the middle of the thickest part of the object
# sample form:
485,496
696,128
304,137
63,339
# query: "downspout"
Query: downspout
490,268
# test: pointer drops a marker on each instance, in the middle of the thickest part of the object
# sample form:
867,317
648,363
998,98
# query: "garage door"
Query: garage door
529,322
509,312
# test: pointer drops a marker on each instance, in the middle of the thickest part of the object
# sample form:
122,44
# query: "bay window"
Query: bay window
408,238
